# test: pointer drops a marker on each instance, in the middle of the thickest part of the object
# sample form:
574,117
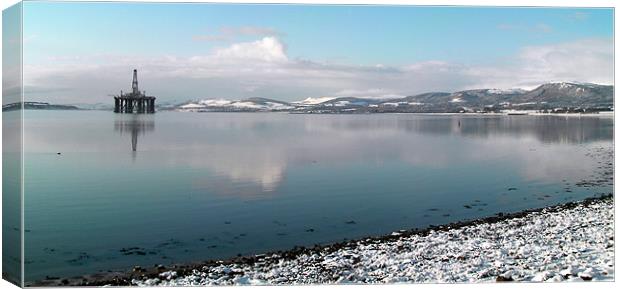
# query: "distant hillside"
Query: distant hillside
470,97
264,101
550,96
564,95
224,105
350,101
570,94
428,97
38,105
312,101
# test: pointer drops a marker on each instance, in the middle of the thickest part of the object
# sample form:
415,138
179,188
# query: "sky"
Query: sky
85,52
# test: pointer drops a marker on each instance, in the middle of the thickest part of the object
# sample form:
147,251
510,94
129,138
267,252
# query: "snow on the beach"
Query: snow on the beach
573,244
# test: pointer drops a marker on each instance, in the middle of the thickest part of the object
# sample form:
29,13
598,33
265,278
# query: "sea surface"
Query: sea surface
106,191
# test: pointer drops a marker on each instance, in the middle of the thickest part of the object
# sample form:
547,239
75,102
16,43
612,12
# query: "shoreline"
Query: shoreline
338,262
515,113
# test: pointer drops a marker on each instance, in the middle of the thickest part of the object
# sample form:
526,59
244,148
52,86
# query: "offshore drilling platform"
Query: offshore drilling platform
135,101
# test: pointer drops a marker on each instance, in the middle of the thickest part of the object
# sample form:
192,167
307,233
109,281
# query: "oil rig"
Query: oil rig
135,101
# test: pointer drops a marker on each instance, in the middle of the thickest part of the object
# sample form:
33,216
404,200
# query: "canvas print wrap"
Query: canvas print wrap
191,144
12,161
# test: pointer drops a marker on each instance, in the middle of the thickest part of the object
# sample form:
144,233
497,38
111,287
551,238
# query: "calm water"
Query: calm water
213,185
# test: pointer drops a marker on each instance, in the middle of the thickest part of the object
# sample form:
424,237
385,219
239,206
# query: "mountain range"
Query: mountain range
548,96
250,104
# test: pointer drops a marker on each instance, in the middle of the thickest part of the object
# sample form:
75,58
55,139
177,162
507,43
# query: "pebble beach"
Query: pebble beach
571,242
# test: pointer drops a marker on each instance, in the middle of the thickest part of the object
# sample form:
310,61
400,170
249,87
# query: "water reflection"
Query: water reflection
134,124
250,155
262,149
547,129
215,176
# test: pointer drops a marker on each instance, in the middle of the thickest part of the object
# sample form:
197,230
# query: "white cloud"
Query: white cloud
376,93
267,49
587,60
262,68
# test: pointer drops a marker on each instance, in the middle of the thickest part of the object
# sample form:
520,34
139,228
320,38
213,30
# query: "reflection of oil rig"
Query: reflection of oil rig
135,101
135,125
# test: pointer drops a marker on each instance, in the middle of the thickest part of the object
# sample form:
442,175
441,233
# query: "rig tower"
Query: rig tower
135,101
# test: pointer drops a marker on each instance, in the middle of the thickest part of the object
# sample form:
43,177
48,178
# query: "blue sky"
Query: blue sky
339,39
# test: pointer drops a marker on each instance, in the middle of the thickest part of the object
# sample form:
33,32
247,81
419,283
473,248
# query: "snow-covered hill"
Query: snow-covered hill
546,96
251,104
312,101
